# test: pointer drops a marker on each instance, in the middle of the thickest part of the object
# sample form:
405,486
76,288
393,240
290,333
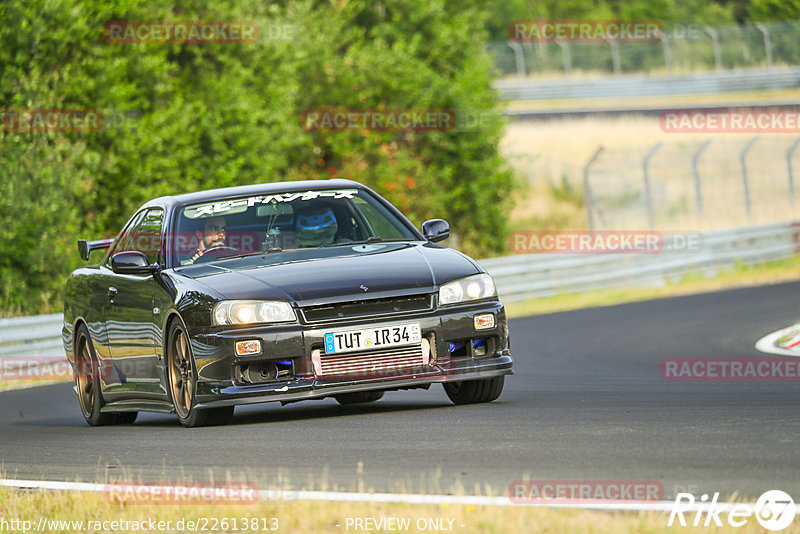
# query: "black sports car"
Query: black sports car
277,292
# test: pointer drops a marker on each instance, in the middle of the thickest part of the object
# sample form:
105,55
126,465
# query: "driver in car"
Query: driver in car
316,227
212,236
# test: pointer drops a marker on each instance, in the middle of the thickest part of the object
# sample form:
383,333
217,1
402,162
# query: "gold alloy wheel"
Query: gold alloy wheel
85,378
181,374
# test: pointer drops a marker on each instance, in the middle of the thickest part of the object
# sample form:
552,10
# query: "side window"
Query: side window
124,238
379,220
148,236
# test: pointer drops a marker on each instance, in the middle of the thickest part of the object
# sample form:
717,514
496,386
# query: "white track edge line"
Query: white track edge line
767,343
404,498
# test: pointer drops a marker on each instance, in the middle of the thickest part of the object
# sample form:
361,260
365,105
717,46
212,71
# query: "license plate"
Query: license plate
377,337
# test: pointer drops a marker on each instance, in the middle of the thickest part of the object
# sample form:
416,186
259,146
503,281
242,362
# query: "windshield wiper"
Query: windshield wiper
270,250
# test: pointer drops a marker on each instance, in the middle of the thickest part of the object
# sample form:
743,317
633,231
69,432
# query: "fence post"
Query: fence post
647,192
615,61
519,58
789,168
767,43
745,182
667,50
566,57
715,42
588,200
698,191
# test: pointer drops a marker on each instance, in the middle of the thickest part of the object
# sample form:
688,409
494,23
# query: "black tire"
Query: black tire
86,375
360,397
473,391
182,383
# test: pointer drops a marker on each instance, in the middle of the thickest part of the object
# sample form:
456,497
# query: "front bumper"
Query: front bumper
310,388
217,385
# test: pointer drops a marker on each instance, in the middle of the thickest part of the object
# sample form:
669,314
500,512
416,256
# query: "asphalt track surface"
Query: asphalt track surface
587,402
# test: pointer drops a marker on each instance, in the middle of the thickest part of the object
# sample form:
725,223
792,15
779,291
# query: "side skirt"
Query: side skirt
139,406
135,405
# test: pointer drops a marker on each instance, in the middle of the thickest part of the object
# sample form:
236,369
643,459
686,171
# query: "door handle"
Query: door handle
112,292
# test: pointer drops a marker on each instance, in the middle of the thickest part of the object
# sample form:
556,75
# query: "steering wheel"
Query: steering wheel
206,257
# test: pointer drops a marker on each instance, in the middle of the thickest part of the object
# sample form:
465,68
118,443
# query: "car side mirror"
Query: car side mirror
131,262
436,230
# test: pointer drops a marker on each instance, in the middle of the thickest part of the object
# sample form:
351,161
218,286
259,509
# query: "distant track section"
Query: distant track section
643,85
617,111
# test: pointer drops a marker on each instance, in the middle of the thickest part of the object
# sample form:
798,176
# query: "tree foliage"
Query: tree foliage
214,115
774,10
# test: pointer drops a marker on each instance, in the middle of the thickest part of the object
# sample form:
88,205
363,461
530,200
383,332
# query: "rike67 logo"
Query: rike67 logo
774,510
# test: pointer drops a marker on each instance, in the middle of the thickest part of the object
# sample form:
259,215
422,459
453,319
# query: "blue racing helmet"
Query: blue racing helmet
315,227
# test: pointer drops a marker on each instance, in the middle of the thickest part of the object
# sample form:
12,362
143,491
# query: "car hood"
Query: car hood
337,274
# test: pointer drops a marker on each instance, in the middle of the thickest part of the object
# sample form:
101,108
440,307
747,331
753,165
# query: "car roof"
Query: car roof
244,190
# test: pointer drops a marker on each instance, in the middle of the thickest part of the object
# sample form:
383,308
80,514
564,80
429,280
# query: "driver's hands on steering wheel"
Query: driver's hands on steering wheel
197,258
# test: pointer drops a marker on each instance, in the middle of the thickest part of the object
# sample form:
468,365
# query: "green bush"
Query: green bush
215,115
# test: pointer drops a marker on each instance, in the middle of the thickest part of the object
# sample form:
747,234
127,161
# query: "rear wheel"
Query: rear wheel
472,391
359,397
86,373
182,378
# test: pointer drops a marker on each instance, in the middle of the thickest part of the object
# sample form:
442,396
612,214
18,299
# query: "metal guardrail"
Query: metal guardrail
540,275
640,85
37,335
614,109
528,276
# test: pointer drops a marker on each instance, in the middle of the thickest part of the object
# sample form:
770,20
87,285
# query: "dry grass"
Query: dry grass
319,516
550,157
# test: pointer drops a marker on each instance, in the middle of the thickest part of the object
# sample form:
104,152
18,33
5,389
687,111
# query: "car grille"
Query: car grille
368,308
398,361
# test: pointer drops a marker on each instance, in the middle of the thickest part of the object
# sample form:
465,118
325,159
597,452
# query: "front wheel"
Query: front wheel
472,391
182,378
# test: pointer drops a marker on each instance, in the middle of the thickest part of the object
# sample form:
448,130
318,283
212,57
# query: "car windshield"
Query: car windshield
274,222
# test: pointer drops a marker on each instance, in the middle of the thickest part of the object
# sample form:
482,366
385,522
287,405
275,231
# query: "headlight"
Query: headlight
252,312
480,286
